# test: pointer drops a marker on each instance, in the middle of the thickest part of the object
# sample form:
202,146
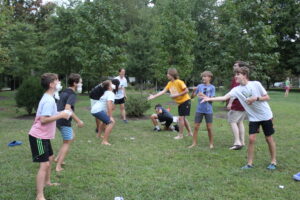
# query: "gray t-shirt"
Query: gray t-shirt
258,110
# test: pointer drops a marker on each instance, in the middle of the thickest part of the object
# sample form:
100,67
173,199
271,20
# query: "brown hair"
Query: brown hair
73,78
207,73
106,85
173,72
241,63
242,70
48,78
121,69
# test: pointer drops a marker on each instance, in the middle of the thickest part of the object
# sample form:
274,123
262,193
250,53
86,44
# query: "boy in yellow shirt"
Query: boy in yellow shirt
180,94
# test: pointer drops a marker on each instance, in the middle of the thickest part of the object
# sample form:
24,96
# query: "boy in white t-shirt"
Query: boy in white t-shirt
121,94
103,108
253,97
42,130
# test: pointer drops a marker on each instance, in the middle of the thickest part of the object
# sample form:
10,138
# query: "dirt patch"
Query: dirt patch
3,98
170,103
26,117
2,109
221,115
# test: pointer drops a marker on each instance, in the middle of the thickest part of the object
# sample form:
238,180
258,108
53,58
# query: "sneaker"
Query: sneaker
14,143
247,166
125,121
156,129
236,147
176,128
271,166
297,177
178,137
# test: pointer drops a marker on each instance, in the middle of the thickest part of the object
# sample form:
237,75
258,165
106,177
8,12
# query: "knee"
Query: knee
251,140
153,116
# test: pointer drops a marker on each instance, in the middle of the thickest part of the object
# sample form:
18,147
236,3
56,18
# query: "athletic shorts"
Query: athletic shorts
267,127
199,117
120,101
235,116
168,121
93,102
41,149
102,116
184,108
66,132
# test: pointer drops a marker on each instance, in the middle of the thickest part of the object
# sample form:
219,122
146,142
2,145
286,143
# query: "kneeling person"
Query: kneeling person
164,117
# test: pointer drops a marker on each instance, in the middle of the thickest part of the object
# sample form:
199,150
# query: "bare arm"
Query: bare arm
109,108
74,116
230,102
157,94
48,119
180,94
223,98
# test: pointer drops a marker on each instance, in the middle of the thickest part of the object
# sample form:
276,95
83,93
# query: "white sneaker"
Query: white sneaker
178,137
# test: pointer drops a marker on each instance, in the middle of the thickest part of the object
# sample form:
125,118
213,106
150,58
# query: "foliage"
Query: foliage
29,94
137,105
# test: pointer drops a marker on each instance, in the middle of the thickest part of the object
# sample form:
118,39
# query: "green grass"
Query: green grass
153,165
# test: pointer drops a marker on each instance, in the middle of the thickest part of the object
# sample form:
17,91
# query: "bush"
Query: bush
137,105
29,94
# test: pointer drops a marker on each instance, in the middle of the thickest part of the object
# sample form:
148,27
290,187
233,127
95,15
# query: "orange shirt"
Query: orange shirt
175,87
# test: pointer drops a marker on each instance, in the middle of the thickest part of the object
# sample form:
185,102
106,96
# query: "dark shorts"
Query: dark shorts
199,117
120,101
267,127
41,149
102,116
184,108
168,120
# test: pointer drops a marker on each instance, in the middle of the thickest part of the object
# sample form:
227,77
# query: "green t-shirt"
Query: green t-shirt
287,83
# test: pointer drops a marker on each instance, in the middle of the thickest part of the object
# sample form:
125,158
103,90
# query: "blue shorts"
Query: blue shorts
66,132
102,116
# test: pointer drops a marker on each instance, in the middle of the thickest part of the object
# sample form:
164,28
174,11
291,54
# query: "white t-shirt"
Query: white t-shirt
101,104
258,110
123,84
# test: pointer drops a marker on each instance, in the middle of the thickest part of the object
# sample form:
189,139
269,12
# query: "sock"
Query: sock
172,127
157,127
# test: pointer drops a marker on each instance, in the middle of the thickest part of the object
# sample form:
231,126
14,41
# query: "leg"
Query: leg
242,132
187,126
210,135
154,119
252,138
195,135
272,148
101,129
181,126
41,179
123,112
107,132
62,154
236,133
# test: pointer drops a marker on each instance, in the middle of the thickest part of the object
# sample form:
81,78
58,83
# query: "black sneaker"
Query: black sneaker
156,129
176,128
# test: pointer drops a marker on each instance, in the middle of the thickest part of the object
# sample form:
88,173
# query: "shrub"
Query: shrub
29,94
137,105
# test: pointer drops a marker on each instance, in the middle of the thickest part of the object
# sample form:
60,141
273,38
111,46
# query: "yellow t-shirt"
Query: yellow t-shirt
175,87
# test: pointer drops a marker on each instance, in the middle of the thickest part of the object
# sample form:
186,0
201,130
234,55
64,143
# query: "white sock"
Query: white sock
157,127
172,127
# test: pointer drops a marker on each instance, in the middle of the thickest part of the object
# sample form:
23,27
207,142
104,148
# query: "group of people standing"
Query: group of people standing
245,97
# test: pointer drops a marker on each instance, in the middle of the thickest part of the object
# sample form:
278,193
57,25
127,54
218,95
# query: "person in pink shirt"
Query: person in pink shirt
42,130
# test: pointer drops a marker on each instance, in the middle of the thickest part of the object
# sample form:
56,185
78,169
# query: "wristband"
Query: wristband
257,99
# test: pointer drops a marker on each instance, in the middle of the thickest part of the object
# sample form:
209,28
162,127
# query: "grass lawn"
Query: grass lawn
142,164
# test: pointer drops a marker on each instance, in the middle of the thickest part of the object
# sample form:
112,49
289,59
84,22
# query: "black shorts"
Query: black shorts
168,120
184,108
120,101
267,127
41,149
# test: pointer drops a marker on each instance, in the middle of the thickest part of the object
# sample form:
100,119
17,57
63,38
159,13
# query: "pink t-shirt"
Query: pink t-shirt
47,107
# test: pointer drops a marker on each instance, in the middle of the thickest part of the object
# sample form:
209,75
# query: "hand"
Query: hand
173,96
65,115
229,106
112,119
250,100
205,99
201,95
80,124
151,97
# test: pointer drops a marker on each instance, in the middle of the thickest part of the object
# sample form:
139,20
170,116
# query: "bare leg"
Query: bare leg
242,132
123,112
272,148
154,119
236,134
107,132
101,129
62,154
195,135
210,135
41,179
181,126
187,126
252,138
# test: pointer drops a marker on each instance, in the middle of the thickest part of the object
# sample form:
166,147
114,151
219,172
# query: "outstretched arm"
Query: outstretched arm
157,94
223,98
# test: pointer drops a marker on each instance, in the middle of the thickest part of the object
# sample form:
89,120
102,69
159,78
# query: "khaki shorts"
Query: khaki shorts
235,116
